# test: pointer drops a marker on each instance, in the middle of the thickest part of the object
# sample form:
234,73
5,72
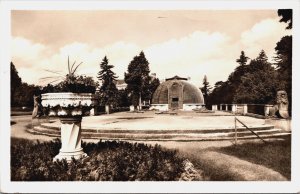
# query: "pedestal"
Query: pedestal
69,107
70,139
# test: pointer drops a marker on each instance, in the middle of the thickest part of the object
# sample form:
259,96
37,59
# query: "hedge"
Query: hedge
107,161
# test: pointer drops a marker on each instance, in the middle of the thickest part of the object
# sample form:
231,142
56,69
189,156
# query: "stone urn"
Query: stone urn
69,107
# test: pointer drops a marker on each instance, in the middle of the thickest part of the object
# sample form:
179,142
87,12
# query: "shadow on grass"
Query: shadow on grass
274,154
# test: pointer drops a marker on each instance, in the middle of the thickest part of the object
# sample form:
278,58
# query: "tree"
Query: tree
149,88
262,57
259,85
286,16
137,79
243,59
108,90
254,83
205,89
154,83
123,100
15,82
221,93
284,65
24,95
284,54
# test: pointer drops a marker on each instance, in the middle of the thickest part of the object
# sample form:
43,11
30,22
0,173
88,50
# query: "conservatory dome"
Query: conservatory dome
177,93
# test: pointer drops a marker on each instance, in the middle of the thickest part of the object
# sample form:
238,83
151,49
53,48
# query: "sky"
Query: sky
186,43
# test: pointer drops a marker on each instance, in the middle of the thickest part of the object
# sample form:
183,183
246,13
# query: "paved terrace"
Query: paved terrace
151,121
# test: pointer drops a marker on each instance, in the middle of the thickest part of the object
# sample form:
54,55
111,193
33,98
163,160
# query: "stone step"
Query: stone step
167,131
193,136
174,138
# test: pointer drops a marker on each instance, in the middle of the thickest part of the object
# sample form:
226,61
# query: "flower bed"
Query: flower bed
107,161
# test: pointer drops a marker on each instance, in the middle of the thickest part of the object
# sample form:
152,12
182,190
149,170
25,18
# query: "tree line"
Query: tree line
256,81
252,81
140,85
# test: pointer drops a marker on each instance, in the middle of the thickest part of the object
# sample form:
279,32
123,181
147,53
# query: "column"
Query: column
245,109
267,109
234,108
70,139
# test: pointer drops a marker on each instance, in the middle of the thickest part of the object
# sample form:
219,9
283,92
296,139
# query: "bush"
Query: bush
107,161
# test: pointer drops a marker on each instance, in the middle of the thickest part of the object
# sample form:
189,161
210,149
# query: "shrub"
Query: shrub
107,161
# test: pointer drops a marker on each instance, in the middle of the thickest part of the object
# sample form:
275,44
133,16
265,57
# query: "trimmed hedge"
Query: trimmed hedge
107,161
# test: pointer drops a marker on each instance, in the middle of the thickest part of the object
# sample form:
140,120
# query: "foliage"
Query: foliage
224,91
107,161
138,79
79,84
243,59
205,89
259,81
49,88
254,83
75,83
284,54
15,82
23,96
123,99
71,82
258,86
284,63
108,90
150,87
286,16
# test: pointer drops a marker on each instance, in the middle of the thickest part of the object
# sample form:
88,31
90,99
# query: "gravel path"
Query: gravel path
18,129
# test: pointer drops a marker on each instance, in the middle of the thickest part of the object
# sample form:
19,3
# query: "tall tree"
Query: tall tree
151,83
243,59
15,82
108,90
137,78
262,57
284,54
205,89
259,84
154,83
284,65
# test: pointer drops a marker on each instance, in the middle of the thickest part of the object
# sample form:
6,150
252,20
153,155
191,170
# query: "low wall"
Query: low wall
190,107
160,107
284,124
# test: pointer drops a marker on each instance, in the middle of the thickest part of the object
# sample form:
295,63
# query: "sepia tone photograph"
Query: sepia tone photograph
198,95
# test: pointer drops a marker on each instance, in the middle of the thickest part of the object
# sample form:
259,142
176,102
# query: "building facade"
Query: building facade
177,93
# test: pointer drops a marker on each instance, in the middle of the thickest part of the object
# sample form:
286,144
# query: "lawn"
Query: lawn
274,154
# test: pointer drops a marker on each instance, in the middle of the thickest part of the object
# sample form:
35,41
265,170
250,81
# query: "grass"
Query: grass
222,161
275,154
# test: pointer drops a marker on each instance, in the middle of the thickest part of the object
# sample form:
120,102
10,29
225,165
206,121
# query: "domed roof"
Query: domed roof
191,94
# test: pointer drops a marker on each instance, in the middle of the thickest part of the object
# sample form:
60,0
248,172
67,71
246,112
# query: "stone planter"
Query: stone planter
69,107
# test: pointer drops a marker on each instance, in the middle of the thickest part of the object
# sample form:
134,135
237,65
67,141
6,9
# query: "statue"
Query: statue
37,107
281,108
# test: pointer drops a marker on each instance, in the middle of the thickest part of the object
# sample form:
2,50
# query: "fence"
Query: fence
257,109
